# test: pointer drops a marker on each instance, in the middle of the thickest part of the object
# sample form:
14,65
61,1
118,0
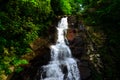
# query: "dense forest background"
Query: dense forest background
23,21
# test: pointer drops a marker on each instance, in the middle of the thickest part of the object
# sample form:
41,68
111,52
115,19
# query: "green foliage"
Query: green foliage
20,27
21,22
18,62
35,10
18,69
8,59
62,7
65,6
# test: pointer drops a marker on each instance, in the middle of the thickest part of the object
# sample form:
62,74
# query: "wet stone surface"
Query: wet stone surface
78,47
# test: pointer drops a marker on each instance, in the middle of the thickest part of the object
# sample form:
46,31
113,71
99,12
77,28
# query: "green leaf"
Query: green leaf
18,69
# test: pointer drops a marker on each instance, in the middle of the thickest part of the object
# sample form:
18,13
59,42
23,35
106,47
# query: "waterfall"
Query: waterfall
61,66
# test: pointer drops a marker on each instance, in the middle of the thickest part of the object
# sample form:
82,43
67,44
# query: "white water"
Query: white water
62,66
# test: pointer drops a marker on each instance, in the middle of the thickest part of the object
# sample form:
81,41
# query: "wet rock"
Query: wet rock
77,42
64,70
71,34
72,21
85,71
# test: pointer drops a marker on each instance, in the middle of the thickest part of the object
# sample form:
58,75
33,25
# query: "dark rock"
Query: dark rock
72,21
77,42
64,70
77,46
85,71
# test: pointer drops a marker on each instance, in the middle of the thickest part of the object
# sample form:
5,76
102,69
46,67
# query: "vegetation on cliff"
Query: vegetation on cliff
102,20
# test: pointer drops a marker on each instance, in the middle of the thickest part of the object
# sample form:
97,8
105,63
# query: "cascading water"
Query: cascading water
62,66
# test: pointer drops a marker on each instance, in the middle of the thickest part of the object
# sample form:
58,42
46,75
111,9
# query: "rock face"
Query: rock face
78,48
77,43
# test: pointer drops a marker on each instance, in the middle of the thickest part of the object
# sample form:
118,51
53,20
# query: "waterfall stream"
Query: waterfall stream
61,66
